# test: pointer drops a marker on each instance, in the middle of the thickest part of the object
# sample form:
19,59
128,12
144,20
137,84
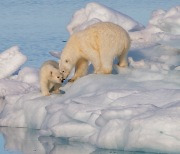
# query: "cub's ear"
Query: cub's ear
56,54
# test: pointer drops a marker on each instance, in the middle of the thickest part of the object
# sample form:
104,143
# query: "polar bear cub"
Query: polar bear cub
50,77
99,44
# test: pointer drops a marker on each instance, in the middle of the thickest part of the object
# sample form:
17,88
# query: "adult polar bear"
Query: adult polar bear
100,43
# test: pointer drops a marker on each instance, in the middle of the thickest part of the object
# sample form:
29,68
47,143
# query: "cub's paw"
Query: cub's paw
55,92
46,94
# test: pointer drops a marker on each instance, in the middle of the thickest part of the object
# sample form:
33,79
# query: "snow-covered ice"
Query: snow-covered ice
135,109
10,61
163,26
95,12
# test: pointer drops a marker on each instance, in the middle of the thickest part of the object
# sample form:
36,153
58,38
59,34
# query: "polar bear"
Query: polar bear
99,44
50,77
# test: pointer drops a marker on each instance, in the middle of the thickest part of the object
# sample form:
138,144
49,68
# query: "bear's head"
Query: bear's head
56,76
69,57
66,64
65,67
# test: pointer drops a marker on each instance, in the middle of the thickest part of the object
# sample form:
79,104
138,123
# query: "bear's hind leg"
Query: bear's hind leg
80,70
123,58
106,63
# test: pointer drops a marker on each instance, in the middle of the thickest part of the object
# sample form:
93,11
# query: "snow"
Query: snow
167,20
29,75
10,61
163,26
134,109
95,12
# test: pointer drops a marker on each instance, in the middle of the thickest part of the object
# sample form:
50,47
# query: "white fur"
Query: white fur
100,44
50,77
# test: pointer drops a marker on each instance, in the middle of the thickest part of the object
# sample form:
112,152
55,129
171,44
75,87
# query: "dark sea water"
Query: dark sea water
39,26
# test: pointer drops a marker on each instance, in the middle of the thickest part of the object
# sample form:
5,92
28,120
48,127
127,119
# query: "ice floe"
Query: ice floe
135,109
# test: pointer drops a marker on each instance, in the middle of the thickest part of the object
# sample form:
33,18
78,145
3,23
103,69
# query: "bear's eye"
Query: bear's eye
58,77
66,61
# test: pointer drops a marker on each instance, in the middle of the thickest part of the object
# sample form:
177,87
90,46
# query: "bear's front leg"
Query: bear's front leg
96,64
97,69
80,69
45,92
45,88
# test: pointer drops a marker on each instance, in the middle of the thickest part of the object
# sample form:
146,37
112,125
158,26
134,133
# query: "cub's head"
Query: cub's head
56,76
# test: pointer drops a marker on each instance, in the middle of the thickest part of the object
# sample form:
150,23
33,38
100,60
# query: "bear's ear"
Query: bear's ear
56,54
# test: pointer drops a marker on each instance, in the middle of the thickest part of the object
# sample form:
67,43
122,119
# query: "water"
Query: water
38,27
27,141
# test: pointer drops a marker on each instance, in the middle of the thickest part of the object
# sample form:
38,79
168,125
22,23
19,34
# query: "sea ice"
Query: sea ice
29,75
163,26
135,109
95,12
10,61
